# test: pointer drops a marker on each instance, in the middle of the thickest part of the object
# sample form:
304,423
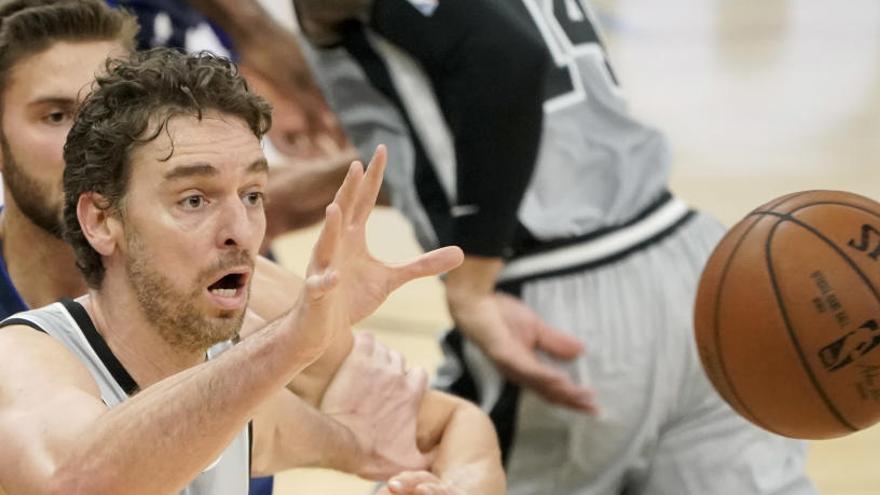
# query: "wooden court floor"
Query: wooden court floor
759,98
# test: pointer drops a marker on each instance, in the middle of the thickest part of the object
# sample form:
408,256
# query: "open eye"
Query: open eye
193,202
253,198
57,117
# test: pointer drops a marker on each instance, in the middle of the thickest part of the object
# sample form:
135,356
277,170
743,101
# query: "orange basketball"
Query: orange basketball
787,315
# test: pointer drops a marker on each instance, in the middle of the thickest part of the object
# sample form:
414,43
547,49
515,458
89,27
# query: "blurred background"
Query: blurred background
759,98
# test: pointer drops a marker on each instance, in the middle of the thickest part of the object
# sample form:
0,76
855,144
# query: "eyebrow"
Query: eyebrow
60,101
207,170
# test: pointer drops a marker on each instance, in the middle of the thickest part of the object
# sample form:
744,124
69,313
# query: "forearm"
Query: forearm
468,456
313,439
313,381
467,288
489,86
161,438
242,20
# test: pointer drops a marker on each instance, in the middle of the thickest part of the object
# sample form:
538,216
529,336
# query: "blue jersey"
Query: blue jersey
10,300
175,24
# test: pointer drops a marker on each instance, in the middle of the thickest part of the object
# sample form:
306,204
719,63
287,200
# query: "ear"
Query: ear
99,225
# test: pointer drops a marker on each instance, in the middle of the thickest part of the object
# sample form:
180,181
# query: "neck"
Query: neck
138,346
41,266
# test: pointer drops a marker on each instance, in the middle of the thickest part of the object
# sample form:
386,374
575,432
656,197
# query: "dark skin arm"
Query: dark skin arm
272,52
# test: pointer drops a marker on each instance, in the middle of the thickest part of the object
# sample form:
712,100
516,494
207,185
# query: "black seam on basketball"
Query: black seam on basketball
852,264
817,203
781,305
716,329
780,201
838,203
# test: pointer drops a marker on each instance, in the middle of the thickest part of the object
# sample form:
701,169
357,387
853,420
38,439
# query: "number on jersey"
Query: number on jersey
567,29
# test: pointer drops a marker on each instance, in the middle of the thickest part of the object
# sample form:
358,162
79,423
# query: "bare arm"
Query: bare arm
160,439
156,442
272,51
461,436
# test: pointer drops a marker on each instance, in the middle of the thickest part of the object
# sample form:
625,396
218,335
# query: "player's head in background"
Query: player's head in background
50,51
163,192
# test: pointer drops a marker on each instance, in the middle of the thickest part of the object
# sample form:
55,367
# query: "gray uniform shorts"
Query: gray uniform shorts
663,429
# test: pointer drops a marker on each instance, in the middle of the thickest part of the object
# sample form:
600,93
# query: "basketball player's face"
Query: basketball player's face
42,93
193,224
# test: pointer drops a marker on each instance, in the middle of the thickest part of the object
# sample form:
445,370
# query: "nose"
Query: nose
236,227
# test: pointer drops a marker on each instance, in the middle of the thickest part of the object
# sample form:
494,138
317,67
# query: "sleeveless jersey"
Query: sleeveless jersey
68,322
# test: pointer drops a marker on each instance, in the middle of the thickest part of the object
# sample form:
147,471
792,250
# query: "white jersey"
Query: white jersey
68,322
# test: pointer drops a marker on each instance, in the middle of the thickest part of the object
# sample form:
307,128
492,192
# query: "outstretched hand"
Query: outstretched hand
512,335
344,282
519,362
378,399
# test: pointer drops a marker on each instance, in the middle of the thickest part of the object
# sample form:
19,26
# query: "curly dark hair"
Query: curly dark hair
130,106
28,27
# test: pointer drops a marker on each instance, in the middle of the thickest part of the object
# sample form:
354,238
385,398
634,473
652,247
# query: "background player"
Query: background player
590,241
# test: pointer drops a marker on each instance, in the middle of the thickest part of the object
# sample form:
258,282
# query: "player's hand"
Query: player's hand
418,483
344,283
378,399
511,334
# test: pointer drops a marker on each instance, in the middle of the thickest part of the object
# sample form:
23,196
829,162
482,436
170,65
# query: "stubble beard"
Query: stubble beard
32,198
173,313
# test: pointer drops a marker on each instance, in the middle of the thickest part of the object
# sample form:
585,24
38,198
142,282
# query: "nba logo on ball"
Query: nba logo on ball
787,313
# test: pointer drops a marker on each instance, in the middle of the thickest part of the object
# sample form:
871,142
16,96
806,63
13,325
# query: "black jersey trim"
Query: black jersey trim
99,345
20,321
250,448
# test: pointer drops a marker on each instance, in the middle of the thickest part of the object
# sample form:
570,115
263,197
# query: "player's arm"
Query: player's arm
446,425
461,439
273,52
462,436
487,72
396,426
380,411
60,438
489,87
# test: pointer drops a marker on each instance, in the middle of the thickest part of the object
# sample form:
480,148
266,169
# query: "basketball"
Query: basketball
787,315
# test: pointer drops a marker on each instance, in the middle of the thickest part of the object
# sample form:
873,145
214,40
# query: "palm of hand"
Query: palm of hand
344,283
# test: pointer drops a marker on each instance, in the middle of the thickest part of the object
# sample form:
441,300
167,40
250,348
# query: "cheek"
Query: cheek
258,220
40,149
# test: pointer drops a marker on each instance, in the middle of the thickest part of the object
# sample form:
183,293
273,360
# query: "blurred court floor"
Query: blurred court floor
759,98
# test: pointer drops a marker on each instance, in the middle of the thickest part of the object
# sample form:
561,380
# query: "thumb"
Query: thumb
558,344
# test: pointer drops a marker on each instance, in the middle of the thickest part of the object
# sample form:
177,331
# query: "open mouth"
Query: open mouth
229,285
